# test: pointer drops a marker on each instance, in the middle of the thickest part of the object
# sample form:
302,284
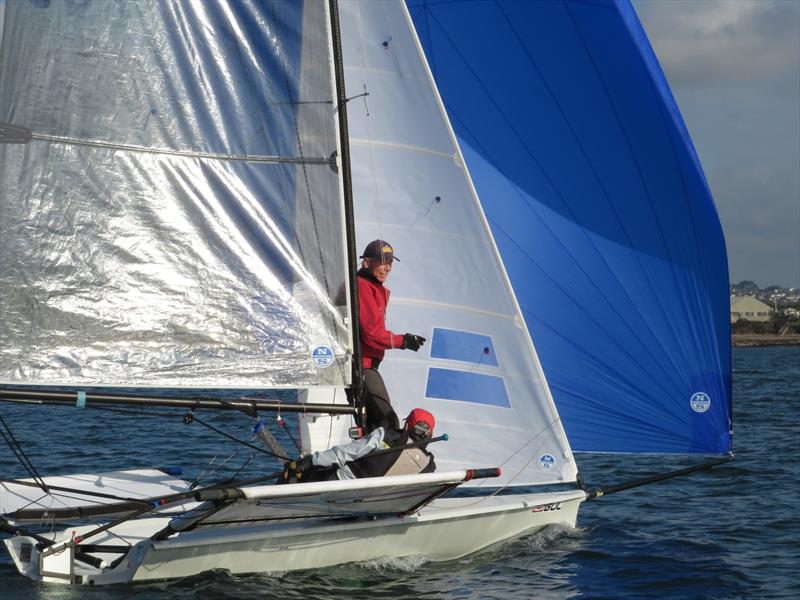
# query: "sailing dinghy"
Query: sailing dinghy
185,184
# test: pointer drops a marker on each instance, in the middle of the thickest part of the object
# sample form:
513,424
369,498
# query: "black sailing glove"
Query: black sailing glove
412,342
296,468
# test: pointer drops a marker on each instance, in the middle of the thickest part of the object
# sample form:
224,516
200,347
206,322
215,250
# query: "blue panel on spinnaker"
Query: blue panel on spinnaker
472,348
601,213
447,384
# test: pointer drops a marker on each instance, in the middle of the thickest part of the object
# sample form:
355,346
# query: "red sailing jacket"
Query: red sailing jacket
372,300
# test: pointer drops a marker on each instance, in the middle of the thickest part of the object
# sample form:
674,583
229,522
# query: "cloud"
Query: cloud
734,67
726,42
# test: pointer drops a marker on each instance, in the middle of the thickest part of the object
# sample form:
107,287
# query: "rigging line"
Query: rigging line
48,523
50,513
510,481
363,94
125,541
436,200
310,510
67,490
380,221
298,139
17,455
330,515
131,412
282,186
16,448
301,160
370,141
549,427
239,470
423,10
208,470
543,172
31,503
238,441
430,39
202,474
282,423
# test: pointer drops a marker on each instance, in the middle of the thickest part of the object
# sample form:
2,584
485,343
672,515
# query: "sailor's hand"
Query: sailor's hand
304,464
412,342
296,468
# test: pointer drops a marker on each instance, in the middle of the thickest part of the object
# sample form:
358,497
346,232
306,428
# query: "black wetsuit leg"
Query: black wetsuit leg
376,400
313,474
320,474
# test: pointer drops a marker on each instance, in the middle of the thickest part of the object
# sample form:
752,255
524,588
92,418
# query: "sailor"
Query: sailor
373,297
382,452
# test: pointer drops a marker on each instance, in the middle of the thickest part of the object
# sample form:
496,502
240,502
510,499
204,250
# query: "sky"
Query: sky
734,69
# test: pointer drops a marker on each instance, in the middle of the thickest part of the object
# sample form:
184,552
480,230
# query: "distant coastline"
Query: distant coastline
752,340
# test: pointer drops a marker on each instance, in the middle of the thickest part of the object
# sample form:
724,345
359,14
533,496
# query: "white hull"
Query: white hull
447,529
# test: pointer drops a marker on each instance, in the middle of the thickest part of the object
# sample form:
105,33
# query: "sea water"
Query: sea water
731,532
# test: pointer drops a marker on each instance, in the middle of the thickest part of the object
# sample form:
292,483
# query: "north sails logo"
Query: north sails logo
700,402
547,462
322,357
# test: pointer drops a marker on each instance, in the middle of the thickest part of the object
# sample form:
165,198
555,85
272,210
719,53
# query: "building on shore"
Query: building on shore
750,308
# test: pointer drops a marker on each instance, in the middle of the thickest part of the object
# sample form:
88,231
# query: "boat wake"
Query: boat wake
404,564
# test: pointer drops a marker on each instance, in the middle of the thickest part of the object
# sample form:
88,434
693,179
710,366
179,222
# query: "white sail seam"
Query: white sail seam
432,303
456,235
453,157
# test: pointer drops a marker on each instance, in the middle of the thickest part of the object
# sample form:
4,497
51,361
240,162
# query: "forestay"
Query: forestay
478,373
601,212
177,217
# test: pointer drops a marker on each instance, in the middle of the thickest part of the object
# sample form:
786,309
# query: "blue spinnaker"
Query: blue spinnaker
601,212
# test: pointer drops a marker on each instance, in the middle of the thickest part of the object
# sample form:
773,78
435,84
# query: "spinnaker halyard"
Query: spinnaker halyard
187,183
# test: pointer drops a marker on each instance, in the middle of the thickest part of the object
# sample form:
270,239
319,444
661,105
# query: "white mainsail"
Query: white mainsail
478,373
177,218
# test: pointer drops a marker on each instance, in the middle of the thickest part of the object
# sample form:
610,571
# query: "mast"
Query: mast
354,393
